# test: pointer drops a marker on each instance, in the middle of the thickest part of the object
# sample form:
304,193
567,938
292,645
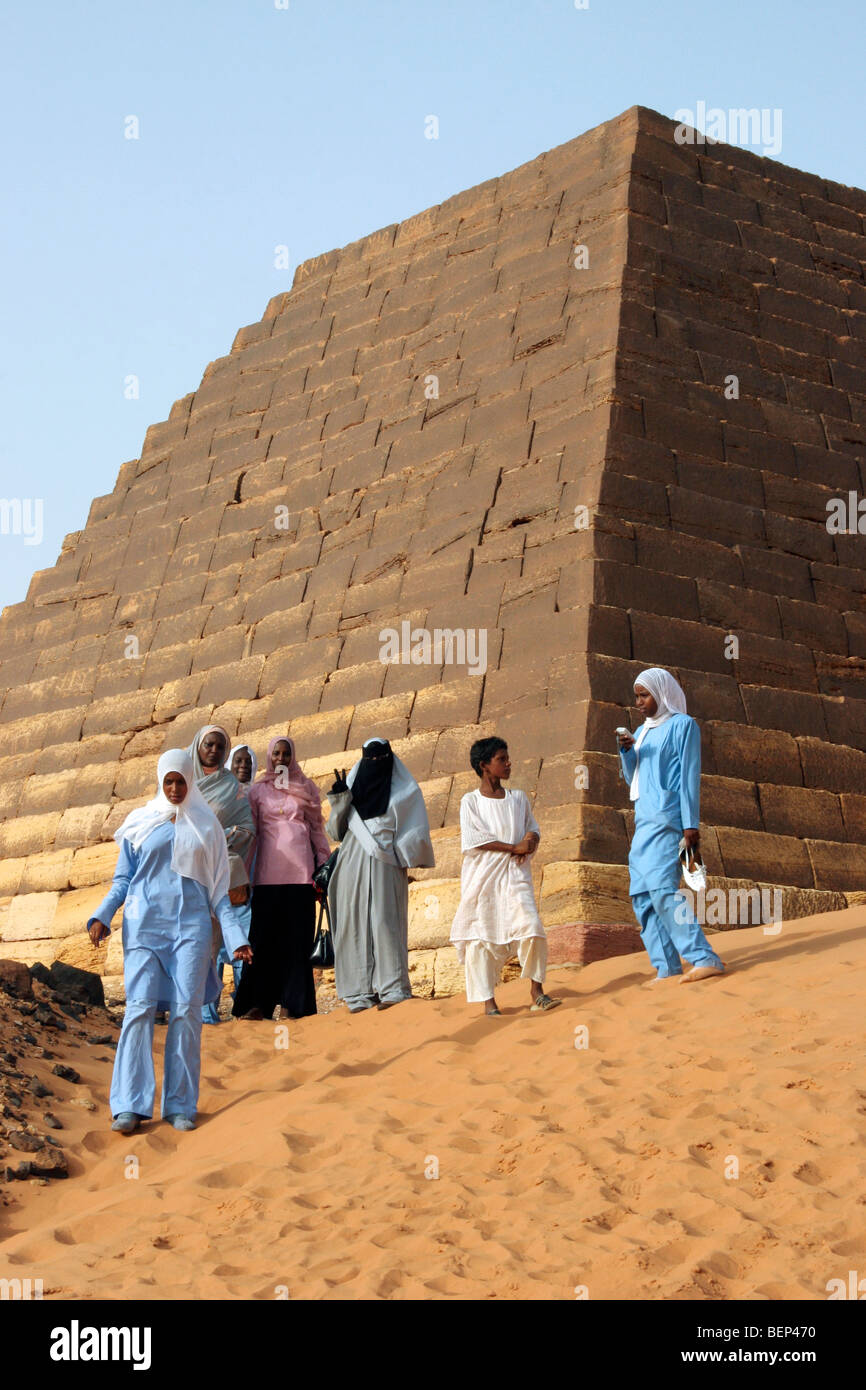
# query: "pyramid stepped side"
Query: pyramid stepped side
308,495
738,265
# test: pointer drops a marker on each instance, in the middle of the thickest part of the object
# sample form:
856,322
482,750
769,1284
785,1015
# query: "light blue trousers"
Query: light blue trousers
669,929
133,1082
210,1012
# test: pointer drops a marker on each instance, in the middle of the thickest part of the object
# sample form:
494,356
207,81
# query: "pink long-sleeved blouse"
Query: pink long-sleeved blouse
291,835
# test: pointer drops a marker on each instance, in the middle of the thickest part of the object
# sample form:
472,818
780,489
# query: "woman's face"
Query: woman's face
646,705
282,754
212,750
242,765
174,786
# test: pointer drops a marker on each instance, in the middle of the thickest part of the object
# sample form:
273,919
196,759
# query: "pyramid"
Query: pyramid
512,415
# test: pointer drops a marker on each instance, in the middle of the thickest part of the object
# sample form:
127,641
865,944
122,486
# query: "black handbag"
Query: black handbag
322,876
322,955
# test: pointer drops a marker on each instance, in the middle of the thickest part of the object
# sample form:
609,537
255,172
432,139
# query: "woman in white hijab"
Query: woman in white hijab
172,873
662,765
379,814
243,762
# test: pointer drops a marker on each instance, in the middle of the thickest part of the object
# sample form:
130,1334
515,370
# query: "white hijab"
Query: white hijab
199,840
670,699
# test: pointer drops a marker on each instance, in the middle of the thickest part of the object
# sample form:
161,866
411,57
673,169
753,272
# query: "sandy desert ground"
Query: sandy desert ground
607,1168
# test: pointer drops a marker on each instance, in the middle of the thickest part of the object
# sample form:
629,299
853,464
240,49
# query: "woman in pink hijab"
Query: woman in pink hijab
287,812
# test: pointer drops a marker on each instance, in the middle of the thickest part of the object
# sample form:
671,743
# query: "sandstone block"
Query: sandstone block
448,976
46,872
432,905
750,854
119,714
75,908
93,864
422,968
762,755
443,706
28,835
801,811
585,892
836,867
29,917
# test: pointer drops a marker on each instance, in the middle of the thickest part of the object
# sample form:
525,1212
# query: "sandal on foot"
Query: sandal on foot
543,1003
493,1013
180,1121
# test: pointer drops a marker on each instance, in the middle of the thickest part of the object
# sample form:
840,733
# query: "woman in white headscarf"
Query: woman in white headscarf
662,765
243,762
172,873
379,814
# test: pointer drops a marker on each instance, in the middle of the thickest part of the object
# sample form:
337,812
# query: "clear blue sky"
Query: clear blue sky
305,126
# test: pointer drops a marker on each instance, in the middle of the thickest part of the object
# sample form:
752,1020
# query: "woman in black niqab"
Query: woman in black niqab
371,789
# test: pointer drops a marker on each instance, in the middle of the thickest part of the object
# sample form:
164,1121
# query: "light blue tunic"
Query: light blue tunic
166,965
669,802
166,925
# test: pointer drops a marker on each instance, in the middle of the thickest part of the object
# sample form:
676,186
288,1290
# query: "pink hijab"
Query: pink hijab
290,780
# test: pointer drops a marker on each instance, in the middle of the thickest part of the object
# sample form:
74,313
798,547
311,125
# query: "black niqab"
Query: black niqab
371,789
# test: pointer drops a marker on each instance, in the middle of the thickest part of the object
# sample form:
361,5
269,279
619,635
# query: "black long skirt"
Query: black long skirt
281,935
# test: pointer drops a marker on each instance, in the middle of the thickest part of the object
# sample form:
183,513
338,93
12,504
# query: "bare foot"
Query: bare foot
701,972
660,980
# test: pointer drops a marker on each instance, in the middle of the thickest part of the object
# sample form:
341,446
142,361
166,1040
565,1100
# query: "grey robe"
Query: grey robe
369,902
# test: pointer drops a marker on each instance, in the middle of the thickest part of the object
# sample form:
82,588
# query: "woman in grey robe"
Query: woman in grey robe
378,813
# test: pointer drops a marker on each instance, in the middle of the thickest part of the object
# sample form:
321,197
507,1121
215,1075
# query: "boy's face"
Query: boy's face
499,765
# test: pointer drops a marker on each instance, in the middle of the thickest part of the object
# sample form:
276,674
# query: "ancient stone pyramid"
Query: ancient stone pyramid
410,435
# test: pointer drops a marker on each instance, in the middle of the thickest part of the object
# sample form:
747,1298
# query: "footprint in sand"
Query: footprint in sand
99,1141
809,1173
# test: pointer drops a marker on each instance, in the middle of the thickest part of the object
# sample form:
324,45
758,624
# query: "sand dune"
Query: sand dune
559,1167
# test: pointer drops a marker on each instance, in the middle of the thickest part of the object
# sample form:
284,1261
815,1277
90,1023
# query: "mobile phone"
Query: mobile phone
623,730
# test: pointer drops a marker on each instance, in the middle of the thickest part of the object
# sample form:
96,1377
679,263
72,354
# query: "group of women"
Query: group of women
219,866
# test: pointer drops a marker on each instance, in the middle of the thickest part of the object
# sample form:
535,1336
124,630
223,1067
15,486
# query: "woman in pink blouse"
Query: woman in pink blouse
287,811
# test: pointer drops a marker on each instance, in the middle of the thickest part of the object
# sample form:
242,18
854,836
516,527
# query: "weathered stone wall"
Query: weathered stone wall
312,492
741,266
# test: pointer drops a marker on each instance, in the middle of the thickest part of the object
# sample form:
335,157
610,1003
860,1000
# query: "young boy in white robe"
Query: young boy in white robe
497,917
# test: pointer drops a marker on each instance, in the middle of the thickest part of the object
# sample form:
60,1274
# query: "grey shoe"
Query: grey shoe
126,1122
181,1121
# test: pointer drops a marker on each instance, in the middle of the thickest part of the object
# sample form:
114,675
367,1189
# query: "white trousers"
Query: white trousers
484,960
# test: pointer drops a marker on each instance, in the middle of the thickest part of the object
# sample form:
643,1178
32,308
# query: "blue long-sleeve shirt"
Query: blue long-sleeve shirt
167,933
669,800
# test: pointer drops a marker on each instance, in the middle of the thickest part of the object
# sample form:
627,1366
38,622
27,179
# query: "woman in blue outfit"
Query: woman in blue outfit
172,873
662,765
